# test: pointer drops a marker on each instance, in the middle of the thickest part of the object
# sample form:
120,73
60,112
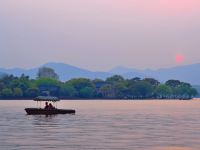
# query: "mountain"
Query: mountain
127,72
122,70
67,72
18,72
64,71
188,73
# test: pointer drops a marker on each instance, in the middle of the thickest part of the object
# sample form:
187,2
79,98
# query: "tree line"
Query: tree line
114,87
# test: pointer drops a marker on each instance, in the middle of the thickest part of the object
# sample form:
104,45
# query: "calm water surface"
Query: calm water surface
103,125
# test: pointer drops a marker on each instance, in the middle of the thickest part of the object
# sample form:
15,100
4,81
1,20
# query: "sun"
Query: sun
179,58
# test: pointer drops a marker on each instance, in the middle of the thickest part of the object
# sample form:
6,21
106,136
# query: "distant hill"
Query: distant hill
2,74
64,71
127,72
18,72
188,73
67,72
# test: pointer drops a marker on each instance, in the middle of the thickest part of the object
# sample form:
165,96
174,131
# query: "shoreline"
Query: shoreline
97,99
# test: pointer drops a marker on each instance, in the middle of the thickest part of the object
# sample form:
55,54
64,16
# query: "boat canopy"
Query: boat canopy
46,98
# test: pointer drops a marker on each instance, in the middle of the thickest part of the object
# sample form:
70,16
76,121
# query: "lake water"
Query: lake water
103,125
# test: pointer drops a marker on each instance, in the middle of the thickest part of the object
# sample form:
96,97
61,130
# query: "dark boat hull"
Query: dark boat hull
39,111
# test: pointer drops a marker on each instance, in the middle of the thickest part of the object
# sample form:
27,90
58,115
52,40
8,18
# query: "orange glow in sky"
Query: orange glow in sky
179,58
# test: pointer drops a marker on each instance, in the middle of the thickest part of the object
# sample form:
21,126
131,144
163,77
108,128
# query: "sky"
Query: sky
100,34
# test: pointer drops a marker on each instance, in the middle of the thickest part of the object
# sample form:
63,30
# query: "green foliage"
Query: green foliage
152,81
80,83
17,92
87,92
6,93
67,90
192,92
120,90
46,82
46,72
107,91
184,92
114,87
163,91
114,79
173,83
140,89
32,92
48,86
82,86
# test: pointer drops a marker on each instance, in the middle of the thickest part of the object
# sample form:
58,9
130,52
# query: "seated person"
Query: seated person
51,106
46,105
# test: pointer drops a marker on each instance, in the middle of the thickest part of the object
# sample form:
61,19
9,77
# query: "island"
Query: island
114,87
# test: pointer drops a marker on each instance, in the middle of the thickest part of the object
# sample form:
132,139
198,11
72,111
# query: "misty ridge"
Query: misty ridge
187,73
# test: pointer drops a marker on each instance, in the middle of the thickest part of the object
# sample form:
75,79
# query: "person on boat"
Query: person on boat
46,105
51,106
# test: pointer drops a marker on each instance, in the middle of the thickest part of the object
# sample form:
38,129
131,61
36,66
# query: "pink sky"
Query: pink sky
121,32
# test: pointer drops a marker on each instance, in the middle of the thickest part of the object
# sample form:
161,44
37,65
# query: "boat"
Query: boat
44,111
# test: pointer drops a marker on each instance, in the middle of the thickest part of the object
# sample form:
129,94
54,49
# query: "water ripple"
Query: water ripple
103,125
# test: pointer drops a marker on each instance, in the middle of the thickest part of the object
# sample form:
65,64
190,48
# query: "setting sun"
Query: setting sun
179,58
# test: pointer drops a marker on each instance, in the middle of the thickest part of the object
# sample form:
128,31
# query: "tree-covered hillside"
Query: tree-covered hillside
114,87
